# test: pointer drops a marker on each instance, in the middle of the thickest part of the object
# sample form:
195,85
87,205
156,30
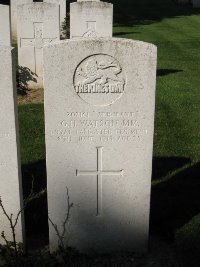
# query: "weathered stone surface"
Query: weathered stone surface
13,5
38,24
62,9
99,109
10,173
5,38
91,19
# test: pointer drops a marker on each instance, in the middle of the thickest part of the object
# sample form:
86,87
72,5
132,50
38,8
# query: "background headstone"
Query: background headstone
38,25
10,173
91,19
99,111
62,8
5,38
13,5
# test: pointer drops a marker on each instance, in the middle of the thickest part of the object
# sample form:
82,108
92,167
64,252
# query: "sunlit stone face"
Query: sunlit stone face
99,110
90,19
38,25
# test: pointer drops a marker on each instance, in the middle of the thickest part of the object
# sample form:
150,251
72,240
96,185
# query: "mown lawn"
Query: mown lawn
175,206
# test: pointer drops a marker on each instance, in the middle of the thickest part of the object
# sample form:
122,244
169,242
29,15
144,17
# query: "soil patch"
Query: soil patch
32,96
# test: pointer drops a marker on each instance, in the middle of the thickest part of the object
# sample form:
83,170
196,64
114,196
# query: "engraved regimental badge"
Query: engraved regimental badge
99,80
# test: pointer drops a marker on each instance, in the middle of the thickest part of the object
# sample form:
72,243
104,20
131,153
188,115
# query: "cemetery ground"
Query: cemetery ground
175,200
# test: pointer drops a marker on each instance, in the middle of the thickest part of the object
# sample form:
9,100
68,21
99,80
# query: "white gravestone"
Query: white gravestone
10,173
99,110
5,38
91,19
14,4
38,24
62,10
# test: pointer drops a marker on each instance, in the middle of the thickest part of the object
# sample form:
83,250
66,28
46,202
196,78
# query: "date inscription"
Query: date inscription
99,127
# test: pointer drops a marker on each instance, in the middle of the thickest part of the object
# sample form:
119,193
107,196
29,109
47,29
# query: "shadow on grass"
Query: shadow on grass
124,33
144,12
164,72
176,201
5,2
133,12
36,213
163,166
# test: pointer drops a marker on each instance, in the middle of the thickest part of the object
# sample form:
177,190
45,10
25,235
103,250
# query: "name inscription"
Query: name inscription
106,127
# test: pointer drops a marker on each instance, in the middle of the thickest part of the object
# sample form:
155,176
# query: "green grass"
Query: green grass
175,206
177,130
31,122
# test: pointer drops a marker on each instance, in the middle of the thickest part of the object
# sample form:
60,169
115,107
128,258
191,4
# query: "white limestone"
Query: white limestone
91,19
10,173
38,24
196,3
99,110
5,38
62,9
13,5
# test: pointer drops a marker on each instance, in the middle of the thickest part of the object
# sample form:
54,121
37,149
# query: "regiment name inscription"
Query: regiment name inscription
99,80
104,127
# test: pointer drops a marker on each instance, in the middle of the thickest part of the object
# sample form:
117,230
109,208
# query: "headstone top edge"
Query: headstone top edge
6,47
35,4
4,5
93,3
101,40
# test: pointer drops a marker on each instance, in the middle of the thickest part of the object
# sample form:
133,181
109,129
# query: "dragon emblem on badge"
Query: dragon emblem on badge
99,80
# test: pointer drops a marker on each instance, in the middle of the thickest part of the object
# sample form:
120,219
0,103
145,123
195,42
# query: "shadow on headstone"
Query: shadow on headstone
175,202
24,77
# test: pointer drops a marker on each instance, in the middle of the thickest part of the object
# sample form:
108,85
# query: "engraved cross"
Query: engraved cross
37,42
99,173
90,30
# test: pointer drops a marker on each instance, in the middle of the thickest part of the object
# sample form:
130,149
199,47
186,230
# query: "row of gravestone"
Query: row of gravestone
14,9
99,121
37,24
